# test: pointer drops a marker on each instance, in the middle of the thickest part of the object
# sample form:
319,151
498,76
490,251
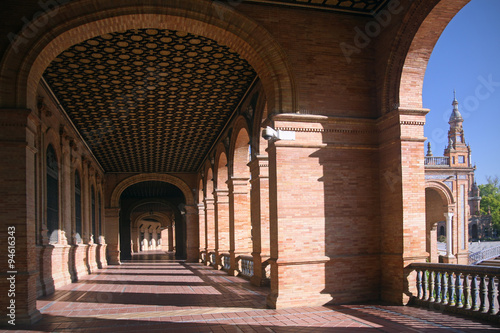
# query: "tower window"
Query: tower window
461,159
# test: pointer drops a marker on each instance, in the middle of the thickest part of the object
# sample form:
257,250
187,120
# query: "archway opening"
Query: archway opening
152,218
435,208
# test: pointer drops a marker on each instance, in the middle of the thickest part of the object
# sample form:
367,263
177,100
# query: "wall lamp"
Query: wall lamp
271,134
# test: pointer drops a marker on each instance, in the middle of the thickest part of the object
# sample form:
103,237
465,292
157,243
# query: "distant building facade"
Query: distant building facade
452,196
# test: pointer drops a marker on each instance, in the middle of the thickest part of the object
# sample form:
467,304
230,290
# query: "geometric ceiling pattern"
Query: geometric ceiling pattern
365,7
149,100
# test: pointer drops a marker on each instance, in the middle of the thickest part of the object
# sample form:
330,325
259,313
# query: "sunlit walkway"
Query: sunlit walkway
164,295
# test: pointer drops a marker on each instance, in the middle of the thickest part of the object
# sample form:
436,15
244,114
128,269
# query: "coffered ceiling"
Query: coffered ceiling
149,100
364,7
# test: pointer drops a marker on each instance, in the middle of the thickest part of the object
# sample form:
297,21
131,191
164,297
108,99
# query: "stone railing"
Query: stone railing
226,261
477,257
439,161
203,256
212,258
245,266
468,290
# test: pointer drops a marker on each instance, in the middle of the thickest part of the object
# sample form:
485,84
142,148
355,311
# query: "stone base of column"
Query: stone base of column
192,254
462,258
92,257
290,289
60,262
260,277
449,259
45,281
101,256
113,254
79,258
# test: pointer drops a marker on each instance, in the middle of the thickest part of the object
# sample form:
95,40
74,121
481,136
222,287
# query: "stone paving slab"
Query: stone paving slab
173,296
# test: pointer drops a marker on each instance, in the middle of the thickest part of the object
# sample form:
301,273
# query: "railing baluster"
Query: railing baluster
451,288
460,289
475,292
492,296
425,287
484,293
431,286
419,284
467,291
444,289
438,287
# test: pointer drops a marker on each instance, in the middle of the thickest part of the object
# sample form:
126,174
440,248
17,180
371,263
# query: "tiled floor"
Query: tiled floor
164,295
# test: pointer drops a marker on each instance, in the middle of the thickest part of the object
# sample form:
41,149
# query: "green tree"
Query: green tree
490,199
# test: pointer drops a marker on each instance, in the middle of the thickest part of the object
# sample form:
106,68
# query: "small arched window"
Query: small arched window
52,195
78,208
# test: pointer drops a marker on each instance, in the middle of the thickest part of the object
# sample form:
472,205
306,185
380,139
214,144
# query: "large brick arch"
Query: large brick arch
419,31
124,184
444,191
69,24
238,149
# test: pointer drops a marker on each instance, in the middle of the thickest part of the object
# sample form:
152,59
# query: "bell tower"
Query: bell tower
457,150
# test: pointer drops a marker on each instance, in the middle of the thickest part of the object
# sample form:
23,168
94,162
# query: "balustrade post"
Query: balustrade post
460,289
475,290
419,284
451,289
438,287
425,288
492,296
484,293
467,291
444,289
431,286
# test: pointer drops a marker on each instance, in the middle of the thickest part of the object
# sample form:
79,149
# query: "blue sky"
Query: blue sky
467,58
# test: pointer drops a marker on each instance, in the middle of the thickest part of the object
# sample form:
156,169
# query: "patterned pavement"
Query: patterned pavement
164,295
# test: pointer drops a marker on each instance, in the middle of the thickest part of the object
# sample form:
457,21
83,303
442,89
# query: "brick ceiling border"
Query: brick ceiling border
363,7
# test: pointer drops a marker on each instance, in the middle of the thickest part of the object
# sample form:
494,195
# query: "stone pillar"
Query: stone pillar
171,238
432,241
112,221
449,258
18,132
201,230
221,206
259,198
209,227
239,220
192,233
402,198
101,230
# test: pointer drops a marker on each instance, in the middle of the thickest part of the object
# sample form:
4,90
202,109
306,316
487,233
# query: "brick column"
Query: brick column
259,197
192,231
209,227
18,131
112,221
239,220
402,192
297,221
201,230
221,207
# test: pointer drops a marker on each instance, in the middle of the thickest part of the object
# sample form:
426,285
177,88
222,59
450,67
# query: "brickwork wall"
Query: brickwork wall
338,182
